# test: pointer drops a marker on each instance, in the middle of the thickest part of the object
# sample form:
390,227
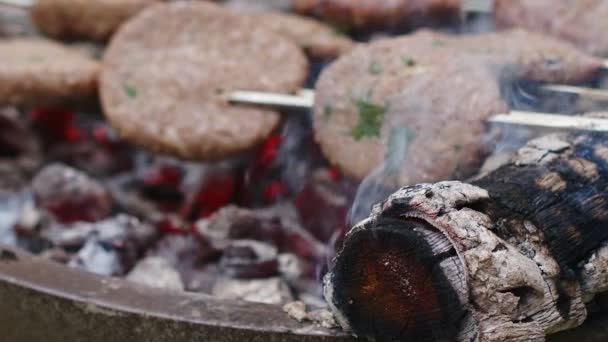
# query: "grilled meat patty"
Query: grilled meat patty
580,22
317,39
166,73
36,72
90,19
424,116
528,55
435,90
380,13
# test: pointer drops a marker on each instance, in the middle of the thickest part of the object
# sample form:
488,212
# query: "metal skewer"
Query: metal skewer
24,4
533,119
549,120
304,98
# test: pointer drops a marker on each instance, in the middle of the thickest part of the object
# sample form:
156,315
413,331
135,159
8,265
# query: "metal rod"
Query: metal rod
513,118
590,93
304,99
24,4
552,121
477,6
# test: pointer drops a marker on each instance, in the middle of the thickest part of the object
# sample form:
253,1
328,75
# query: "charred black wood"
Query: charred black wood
513,256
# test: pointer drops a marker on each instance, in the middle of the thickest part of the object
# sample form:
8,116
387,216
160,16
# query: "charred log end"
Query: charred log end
387,283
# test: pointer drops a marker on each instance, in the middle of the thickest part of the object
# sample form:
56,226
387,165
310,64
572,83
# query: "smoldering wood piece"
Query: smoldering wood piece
530,241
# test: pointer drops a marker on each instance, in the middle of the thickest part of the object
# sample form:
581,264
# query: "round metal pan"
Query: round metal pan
45,301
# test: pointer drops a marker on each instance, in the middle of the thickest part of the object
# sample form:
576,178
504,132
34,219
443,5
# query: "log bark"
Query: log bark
513,255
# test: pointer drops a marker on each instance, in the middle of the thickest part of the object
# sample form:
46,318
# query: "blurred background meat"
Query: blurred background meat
582,22
94,20
353,14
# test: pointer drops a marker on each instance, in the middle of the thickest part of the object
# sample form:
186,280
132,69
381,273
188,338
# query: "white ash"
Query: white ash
29,217
296,310
10,207
290,266
323,317
118,228
267,291
156,272
96,258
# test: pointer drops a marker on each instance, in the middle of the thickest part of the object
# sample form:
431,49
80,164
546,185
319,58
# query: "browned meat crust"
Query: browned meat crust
439,88
91,19
582,22
379,13
42,72
318,40
166,73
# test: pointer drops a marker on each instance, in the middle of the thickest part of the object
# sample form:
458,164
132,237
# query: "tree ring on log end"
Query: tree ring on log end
389,282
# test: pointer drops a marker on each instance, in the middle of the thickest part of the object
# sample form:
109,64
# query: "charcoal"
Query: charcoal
249,259
19,151
59,255
71,195
191,259
156,272
323,194
277,225
9,215
268,291
99,258
121,231
16,138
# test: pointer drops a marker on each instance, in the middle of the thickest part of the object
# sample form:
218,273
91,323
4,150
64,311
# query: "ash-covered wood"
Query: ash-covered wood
513,256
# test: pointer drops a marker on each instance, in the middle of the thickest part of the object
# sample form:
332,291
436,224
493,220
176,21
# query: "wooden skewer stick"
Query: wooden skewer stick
549,120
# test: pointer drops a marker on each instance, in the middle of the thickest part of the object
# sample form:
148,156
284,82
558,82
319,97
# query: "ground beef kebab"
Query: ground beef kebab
381,13
317,39
38,72
167,71
91,19
581,22
396,88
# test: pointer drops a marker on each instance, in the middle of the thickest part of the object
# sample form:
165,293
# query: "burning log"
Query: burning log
513,256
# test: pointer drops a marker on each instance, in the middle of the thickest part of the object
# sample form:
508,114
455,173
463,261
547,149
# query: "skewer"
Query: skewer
305,98
550,120
533,119
302,100
590,93
477,6
22,4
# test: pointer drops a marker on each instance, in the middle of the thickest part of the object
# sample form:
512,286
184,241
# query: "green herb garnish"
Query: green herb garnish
375,68
129,90
36,59
438,43
328,111
398,142
371,118
408,61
